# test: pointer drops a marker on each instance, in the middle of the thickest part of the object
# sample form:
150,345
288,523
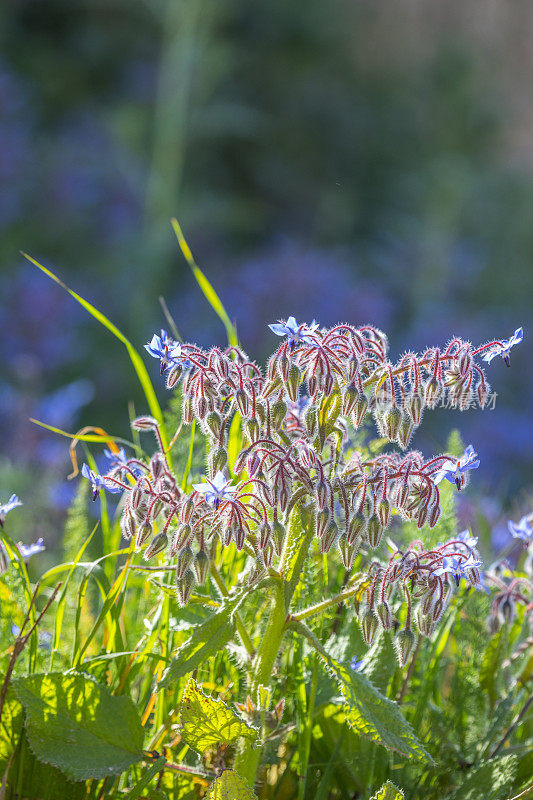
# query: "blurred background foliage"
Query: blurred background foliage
361,161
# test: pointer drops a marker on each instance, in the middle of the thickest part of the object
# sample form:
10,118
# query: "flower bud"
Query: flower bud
284,366
327,384
157,544
405,431
157,507
361,407
322,521
185,587
144,424
267,555
243,403
322,494
157,465
347,551
187,510
482,394
278,412
414,407
384,511
252,429
143,533
432,392
214,423
127,525
201,407
404,641
173,376
293,382
311,421
264,535
188,411
141,511
351,396
369,626
392,421
421,516
219,460
374,531
185,559
356,528
434,516
180,538
384,613
329,537
201,566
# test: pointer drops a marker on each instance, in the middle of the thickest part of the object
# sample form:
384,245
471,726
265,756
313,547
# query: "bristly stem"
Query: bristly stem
295,551
325,604
241,628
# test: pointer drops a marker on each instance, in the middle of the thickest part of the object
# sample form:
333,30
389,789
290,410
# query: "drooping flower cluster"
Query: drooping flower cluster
297,420
426,577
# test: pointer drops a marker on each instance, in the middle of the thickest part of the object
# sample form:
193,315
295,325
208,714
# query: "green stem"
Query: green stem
292,560
319,607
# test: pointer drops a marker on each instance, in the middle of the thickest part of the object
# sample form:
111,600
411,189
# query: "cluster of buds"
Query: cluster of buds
297,420
424,577
511,591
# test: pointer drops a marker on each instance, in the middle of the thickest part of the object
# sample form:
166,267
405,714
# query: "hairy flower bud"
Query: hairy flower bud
329,537
185,586
383,510
214,423
322,494
432,392
201,407
374,531
358,414
143,533
384,613
187,510
173,376
414,407
243,402
180,538
185,559
201,566
322,521
220,459
392,422
157,544
356,528
405,431
347,551
265,534
350,398
278,536
157,465
369,626
145,424
293,380
278,412
404,641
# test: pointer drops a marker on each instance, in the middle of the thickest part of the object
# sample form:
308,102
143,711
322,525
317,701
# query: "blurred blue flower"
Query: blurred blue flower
456,568
119,459
467,539
356,665
29,550
503,349
455,471
216,489
12,503
522,530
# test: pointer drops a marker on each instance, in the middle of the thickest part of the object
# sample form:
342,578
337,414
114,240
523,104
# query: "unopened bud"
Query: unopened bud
351,396
392,421
278,412
278,536
181,537
220,459
201,407
144,424
358,414
157,465
348,552
432,392
384,613
143,533
384,511
322,495
369,626
243,403
293,381
482,394
173,376
414,407
214,423
264,535
374,531
404,641
322,521
157,544
185,587
405,431
356,528
329,537
201,566
185,559
284,366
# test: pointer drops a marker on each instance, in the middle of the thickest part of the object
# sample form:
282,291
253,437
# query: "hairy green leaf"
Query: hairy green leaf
206,640
206,722
230,786
10,727
77,725
492,781
388,792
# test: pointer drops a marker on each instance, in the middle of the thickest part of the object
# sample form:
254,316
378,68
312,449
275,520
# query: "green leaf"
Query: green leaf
136,360
206,722
388,792
146,778
206,640
230,786
10,727
493,658
367,711
492,781
209,293
76,724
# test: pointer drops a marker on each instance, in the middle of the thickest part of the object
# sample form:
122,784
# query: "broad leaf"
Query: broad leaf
230,786
77,725
10,728
206,640
206,722
388,792
492,781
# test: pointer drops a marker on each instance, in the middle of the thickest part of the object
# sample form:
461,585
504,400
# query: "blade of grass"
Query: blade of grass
209,293
136,360
146,778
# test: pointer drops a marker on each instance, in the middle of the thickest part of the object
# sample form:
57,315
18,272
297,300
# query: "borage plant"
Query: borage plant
311,623
289,479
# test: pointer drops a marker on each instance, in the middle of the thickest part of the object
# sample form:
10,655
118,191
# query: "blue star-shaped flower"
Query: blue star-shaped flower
295,333
456,568
119,459
160,347
503,349
216,489
522,530
98,482
455,471
12,503
176,356
356,665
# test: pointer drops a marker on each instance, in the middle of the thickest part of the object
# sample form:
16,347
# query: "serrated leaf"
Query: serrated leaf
206,722
388,792
492,781
205,641
369,713
77,725
230,786
381,662
10,727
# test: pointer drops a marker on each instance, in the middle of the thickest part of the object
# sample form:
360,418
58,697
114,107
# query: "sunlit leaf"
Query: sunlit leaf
388,792
230,786
206,721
